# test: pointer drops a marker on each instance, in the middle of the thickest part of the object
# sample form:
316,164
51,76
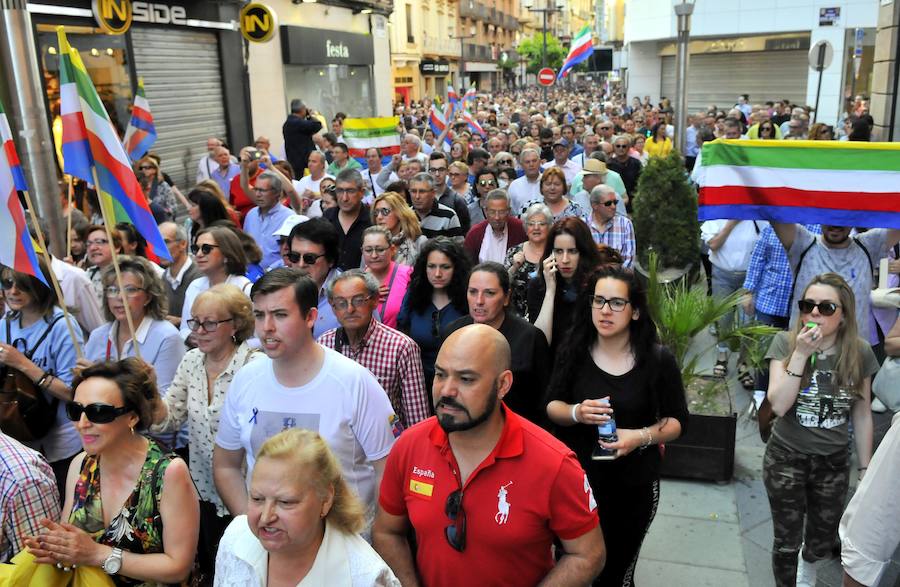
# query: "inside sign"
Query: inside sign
546,76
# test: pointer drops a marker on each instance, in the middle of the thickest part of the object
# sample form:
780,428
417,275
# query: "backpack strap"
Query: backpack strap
868,255
797,269
30,353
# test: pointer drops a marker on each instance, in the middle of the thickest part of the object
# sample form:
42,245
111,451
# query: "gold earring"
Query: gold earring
132,430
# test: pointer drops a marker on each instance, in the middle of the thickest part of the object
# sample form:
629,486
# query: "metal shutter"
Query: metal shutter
183,83
719,78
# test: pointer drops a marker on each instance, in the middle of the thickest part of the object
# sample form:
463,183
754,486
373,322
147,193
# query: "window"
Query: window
410,38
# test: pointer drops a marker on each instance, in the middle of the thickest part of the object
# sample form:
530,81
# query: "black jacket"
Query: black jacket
298,143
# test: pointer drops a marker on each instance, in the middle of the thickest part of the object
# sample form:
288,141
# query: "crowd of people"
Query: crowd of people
397,371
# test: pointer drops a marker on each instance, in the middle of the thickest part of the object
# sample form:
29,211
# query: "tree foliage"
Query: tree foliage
531,50
665,214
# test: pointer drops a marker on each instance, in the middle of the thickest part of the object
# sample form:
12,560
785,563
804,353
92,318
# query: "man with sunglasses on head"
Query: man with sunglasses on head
609,228
835,251
391,356
485,491
314,251
300,384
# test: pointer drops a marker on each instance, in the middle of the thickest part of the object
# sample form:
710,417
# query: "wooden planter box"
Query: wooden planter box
705,452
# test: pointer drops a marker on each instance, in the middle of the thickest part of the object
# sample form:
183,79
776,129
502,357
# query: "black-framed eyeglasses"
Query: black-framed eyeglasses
205,248
357,302
96,413
456,532
437,170
620,146
825,308
208,325
610,203
615,304
345,191
308,258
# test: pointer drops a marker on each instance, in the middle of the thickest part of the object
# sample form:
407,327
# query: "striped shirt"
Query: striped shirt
441,221
394,359
27,495
617,233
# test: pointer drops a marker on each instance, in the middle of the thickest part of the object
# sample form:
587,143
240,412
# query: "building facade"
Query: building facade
758,48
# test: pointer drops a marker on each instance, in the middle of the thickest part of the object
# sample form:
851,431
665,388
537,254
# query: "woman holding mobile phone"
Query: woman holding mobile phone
612,366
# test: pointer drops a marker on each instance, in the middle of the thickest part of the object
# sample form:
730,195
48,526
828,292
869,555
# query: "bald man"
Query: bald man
523,488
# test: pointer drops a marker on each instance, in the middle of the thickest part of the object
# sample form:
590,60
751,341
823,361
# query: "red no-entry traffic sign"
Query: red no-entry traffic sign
546,76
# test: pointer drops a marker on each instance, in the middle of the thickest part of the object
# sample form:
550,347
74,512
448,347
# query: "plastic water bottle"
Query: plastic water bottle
607,434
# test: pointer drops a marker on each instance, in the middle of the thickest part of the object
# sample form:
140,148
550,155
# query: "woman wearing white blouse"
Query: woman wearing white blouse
222,321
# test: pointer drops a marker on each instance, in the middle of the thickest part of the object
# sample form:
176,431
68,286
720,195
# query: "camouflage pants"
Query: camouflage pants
801,485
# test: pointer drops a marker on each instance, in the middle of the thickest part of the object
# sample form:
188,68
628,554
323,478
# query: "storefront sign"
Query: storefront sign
115,16
787,44
432,67
306,46
830,16
258,22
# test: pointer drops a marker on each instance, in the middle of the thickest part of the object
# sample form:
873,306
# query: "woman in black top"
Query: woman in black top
613,355
570,256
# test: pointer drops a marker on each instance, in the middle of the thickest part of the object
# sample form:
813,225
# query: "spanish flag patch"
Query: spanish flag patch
421,488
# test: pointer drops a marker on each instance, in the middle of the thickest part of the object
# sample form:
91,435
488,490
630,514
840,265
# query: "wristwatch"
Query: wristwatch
113,563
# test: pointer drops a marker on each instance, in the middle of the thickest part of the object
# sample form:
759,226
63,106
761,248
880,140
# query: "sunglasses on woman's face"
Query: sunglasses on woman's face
7,283
96,413
825,308
205,248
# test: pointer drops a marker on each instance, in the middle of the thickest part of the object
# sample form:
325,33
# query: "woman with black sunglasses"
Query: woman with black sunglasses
36,342
222,319
612,366
436,297
820,380
220,257
142,528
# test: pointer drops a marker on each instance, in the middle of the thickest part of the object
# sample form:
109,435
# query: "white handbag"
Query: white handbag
886,385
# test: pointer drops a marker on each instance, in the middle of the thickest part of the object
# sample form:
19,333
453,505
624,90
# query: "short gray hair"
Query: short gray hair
297,105
599,191
369,280
181,234
350,176
413,138
274,180
538,208
622,137
497,194
423,178
527,151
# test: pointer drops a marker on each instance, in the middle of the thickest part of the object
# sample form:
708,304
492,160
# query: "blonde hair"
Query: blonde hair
305,448
211,186
235,303
409,224
848,365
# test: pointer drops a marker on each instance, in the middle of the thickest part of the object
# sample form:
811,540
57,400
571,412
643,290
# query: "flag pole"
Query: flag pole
62,302
71,192
107,218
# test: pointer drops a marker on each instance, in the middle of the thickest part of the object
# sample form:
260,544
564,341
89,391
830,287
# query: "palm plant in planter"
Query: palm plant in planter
682,311
665,216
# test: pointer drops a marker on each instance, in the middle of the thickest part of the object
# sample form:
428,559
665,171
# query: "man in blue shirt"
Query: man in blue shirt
226,169
262,222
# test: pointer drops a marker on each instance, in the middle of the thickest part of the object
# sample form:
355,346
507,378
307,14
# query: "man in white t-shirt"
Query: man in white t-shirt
300,385
528,187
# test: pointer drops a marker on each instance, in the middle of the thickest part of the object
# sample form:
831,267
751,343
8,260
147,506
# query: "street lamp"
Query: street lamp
462,55
683,11
545,11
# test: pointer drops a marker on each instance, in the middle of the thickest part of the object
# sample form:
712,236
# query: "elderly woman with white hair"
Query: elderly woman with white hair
523,260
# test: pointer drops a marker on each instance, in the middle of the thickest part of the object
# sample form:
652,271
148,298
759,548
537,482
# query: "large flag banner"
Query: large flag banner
91,145
362,134
472,122
141,133
469,97
582,48
16,247
825,182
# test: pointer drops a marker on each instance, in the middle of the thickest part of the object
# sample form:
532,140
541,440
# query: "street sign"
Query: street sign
858,44
546,76
820,55
258,22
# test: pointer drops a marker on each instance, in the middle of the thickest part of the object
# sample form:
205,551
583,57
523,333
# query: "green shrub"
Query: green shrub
665,214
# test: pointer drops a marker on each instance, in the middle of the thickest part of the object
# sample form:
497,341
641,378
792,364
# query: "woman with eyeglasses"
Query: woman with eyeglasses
765,130
141,528
458,176
436,297
99,256
148,303
378,257
302,524
821,132
658,144
222,318
156,190
484,183
820,380
570,256
36,343
391,211
612,366
637,149
522,261
220,258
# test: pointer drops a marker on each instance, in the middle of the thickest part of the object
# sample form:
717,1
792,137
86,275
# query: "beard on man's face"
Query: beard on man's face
449,424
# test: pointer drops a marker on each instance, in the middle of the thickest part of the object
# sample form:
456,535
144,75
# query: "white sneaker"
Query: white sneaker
878,406
806,572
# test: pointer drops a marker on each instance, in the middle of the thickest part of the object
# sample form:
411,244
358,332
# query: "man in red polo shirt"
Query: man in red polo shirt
485,490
